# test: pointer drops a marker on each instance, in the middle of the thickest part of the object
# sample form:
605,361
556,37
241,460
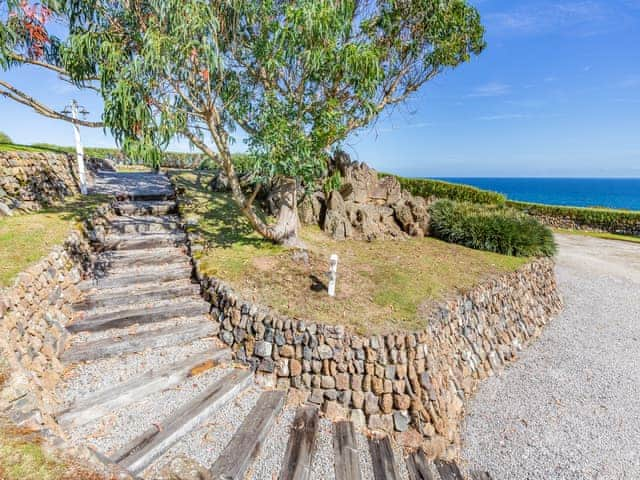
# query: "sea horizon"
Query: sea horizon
608,192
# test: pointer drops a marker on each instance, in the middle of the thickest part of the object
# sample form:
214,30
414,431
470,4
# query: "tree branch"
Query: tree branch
21,97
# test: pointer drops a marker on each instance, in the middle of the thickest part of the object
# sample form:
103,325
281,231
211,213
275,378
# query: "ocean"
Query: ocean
621,193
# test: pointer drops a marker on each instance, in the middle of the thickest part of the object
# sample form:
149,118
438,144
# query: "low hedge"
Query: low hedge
493,228
427,187
600,218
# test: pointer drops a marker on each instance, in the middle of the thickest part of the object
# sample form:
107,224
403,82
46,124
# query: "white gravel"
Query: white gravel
113,431
86,378
569,408
207,442
269,461
323,461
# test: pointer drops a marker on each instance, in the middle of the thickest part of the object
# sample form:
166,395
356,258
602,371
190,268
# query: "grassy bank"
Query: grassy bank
24,239
382,285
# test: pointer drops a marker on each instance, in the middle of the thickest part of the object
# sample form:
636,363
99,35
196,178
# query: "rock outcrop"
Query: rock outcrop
366,206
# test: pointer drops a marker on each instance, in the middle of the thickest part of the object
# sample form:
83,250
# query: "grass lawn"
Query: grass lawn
24,239
605,235
15,147
382,285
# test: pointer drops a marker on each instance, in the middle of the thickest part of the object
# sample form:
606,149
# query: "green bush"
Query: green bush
493,228
600,218
426,187
4,138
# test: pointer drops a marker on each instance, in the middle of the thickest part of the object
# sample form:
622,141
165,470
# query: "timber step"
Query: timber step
138,342
448,470
132,277
142,241
153,292
136,258
190,307
144,449
148,195
345,448
382,461
143,224
145,208
247,440
152,381
301,446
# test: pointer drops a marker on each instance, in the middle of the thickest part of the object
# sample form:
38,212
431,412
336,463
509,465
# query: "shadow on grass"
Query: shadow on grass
221,224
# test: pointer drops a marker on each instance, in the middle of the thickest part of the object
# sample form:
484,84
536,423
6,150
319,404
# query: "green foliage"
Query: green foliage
425,187
4,138
492,228
600,218
296,76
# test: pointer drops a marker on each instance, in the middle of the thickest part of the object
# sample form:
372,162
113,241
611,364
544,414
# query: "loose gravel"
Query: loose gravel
323,461
205,444
569,408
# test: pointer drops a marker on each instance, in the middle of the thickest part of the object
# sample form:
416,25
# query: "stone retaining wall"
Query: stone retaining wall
33,313
400,380
569,223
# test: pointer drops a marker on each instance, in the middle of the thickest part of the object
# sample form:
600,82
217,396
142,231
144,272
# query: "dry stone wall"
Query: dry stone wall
413,383
33,313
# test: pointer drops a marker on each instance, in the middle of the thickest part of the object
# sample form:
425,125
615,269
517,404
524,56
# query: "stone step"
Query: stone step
152,381
190,307
138,342
145,208
345,449
152,292
144,224
382,461
143,450
301,446
245,444
132,277
143,241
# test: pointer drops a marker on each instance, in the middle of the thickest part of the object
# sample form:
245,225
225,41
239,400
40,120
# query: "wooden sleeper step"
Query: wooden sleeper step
142,241
135,277
145,208
154,293
155,380
418,466
143,450
138,342
384,466
246,442
345,448
301,446
126,318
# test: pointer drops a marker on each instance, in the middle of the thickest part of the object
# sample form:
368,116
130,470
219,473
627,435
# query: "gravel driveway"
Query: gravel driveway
569,408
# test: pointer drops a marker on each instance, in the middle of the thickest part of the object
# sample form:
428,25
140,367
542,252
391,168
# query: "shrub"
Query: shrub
493,228
4,138
426,187
599,218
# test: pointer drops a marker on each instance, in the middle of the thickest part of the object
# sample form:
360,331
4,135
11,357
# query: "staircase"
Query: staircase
149,382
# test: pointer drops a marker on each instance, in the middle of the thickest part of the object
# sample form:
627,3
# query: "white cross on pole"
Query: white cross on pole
333,273
79,149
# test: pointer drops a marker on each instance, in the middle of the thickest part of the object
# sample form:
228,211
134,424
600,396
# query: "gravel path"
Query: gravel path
569,408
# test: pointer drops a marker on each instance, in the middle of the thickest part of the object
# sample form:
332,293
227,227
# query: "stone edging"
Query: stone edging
401,380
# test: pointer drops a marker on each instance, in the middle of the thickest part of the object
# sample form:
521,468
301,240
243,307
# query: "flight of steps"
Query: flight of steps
148,381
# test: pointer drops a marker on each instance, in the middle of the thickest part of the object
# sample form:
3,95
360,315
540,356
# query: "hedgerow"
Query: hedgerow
493,228
426,187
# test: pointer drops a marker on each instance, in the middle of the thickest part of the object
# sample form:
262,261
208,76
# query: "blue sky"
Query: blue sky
556,93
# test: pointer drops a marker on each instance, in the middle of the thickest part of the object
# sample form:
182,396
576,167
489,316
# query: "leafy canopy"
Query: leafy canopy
296,76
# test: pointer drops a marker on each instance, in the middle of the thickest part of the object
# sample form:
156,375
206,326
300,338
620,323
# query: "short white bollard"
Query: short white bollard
333,273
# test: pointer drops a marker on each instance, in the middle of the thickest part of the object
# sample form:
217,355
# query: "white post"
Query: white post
79,149
333,273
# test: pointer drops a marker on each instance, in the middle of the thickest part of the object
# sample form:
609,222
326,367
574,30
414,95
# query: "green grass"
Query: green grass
382,285
604,235
24,239
15,147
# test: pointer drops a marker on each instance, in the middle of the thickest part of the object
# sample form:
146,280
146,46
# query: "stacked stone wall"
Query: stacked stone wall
569,223
29,180
413,383
33,313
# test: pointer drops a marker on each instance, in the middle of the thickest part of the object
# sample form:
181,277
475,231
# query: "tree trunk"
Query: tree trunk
287,227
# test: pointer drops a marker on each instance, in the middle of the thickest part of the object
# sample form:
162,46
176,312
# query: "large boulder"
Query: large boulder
336,223
311,209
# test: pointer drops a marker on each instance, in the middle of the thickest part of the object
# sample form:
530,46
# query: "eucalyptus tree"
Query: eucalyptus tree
25,39
295,77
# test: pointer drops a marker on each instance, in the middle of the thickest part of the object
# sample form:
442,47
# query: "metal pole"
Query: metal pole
79,149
